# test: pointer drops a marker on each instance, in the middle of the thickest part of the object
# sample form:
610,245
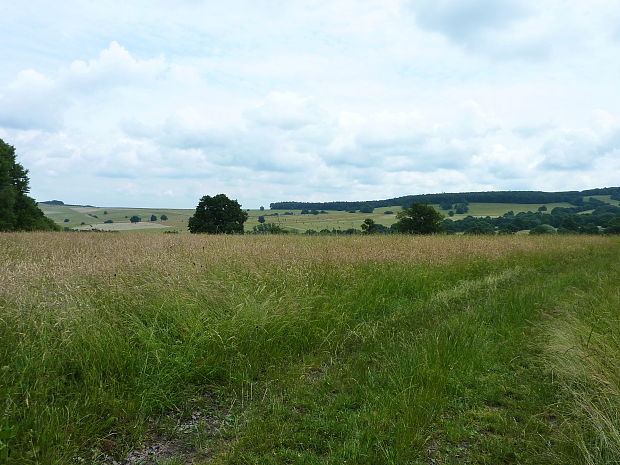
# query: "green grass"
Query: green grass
315,350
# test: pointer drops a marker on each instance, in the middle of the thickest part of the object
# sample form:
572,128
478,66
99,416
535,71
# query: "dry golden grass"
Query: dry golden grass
51,268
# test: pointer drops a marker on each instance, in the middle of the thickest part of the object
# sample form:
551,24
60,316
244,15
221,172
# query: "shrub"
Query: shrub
543,229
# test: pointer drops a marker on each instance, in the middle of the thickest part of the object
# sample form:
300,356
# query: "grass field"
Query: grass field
94,217
309,350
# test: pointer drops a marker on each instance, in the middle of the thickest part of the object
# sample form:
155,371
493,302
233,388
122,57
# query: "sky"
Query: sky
157,103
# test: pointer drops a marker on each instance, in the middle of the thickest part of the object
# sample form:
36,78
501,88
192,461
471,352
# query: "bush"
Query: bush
108,221
163,217
66,220
543,229
135,219
153,218
268,228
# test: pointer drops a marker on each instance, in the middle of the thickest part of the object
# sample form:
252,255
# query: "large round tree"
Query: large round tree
419,219
18,212
217,215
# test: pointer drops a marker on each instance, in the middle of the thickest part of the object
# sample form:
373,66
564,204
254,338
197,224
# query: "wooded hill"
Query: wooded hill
525,197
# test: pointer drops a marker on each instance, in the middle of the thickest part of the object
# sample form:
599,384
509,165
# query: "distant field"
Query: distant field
173,349
93,217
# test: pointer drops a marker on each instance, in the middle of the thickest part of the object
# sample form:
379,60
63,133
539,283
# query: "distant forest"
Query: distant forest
524,197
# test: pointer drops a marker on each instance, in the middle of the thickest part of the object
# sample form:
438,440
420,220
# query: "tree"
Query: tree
163,217
543,229
613,226
461,208
369,226
153,218
262,208
367,209
135,219
268,228
18,211
542,208
261,219
419,219
217,215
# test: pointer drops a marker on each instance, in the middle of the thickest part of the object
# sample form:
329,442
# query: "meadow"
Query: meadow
177,349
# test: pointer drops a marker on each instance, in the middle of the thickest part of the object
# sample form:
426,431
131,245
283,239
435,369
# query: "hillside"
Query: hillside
88,217
516,197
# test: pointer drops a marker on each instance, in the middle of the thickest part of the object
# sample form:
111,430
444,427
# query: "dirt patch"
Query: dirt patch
84,209
180,442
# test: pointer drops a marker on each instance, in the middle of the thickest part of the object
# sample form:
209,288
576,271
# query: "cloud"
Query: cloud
467,20
569,150
36,101
311,100
285,110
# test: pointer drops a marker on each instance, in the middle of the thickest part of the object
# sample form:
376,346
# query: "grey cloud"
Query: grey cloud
578,150
467,20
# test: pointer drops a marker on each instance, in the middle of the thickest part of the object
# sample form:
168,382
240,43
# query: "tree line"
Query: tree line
526,197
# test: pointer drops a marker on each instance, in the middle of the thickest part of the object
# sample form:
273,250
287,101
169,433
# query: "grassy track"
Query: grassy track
314,350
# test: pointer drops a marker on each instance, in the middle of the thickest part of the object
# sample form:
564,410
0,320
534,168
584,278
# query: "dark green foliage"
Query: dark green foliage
268,228
613,226
135,219
18,211
217,215
531,197
367,209
566,220
108,221
153,218
66,220
419,219
461,208
388,212
262,208
369,226
261,219
451,213
163,217
542,208
543,229
481,229
589,228
446,206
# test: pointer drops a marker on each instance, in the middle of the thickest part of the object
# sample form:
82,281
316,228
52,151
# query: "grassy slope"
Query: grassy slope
332,220
324,350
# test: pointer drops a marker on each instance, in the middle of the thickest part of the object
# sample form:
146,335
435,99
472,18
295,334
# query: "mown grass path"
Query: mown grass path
311,350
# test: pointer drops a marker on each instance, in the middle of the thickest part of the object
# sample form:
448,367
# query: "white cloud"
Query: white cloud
309,100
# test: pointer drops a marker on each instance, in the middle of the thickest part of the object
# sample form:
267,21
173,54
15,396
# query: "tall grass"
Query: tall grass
329,348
